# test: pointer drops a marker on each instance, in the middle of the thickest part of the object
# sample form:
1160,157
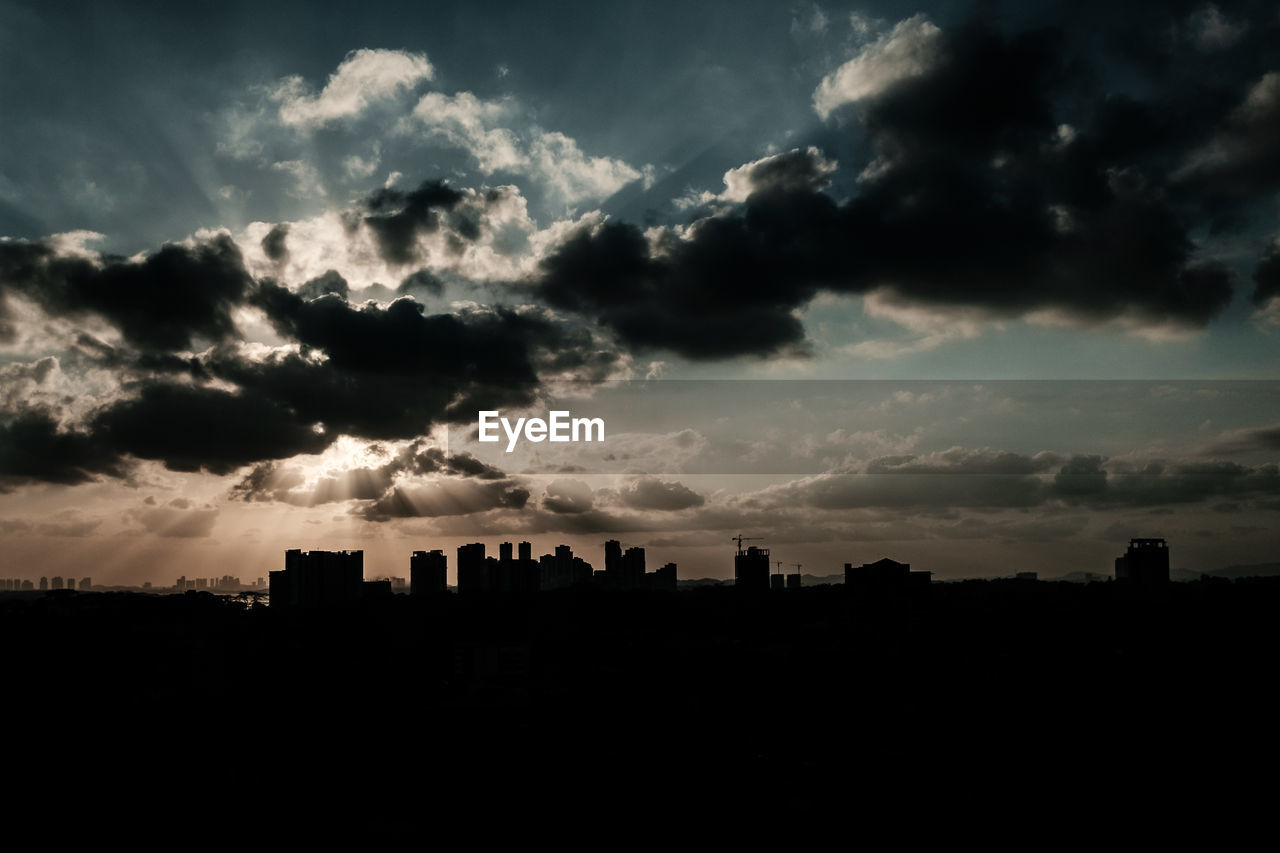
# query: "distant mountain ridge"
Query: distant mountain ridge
1253,570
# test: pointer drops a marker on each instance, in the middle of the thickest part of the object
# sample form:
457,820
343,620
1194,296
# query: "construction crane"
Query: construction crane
797,565
740,539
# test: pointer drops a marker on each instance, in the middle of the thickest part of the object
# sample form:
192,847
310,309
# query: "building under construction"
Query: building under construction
1146,562
751,568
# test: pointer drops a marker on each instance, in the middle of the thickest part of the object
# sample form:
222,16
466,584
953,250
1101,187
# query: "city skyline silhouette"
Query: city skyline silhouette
539,419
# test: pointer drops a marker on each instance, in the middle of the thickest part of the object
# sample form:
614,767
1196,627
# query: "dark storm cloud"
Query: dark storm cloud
421,283
1084,481
567,497
397,218
1240,161
391,372
650,493
1251,440
163,303
274,245
330,282
797,170
727,292
192,428
34,449
274,481
368,371
977,195
990,480
1266,276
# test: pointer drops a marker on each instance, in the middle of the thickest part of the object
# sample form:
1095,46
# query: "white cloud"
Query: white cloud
358,167
775,169
364,77
932,325
908,50
481,127
465,121
306,178
1150,329
573,175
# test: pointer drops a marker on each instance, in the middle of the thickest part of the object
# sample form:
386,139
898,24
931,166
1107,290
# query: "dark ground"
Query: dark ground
982,700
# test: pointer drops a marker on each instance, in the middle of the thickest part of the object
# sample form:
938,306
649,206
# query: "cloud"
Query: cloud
797,169
444,498
1158,483
1212,31
988,480
285,483
33,448
1239,163
567,496
554,159
572,176
1250,440
192,428
981,204
163,302
364,77
330,282
908,50
465,121
68,523
654,494
1266,275
274,245
178,519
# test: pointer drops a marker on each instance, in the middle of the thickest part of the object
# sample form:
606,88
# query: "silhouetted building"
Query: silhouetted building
612,558
428,572
777,580
884,575
471,569
516,576
317,579
633,568
55,582
371,590
44,583
751,568
71,583
1145,562
563,569
793,581
663,579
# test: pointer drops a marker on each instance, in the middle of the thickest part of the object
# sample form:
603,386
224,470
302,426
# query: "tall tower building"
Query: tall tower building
472,577
428,572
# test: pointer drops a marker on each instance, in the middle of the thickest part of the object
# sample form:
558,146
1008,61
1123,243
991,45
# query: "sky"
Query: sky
983,287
